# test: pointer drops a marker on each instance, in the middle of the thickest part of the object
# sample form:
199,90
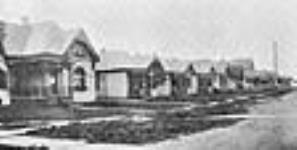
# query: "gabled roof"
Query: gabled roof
112,59
190,69
203,66
43,37
174,65
247,64
221,66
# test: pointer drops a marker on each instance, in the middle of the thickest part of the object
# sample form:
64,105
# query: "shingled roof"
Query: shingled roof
38,38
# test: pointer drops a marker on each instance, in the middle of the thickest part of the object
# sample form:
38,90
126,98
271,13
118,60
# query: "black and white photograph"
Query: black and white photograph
148,75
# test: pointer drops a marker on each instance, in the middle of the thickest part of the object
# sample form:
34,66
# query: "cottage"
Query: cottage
213,76
160,81
122,75
47,62
122,83
4,92
193,78
259,79
175,76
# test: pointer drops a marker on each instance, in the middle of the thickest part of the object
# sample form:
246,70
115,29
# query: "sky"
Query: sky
190,29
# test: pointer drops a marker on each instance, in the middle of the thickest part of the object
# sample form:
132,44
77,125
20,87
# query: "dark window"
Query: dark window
80,79
3,79
98,81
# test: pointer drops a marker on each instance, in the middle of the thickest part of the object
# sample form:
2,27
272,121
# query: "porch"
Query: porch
39,80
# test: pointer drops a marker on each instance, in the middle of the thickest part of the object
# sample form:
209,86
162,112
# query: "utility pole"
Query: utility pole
275,56
275,61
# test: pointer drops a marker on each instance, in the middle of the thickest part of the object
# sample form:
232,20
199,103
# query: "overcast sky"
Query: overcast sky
181,28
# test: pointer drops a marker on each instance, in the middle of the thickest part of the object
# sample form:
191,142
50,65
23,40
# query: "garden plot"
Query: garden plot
164,125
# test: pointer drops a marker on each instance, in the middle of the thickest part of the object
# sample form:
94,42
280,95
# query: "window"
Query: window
79,50
3,80
80,79
98,81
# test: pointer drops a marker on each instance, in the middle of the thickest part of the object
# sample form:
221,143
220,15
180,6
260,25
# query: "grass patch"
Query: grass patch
164,126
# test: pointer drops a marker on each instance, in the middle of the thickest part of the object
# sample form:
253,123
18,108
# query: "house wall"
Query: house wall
159,81
5,97
101,84
138,85
58,82
4,92
194,85
163,88
79,56
180,84
90,93
205,84
113,84
64,80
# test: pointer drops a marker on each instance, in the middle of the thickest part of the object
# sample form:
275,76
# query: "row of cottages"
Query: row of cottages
4,91
222,75
265,80
120,74
213,76
47,62
135,76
